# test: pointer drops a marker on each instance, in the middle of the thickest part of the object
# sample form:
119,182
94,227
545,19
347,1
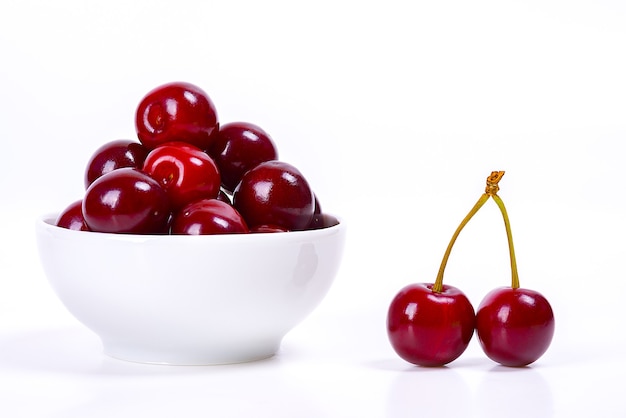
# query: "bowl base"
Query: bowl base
209,356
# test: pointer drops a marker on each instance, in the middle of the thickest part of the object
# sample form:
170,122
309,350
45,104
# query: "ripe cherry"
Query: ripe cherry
238,147
275,193
126,201
430,328
207,217
176,111
113,155
431,324
184,171
514,326
322,220
72,217
267,228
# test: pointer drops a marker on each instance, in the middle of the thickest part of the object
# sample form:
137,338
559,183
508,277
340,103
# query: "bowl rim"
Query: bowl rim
47,222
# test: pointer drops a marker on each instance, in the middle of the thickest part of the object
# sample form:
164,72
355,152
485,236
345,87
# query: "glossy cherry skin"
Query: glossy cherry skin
317,208
275,193
72,217
238,147
427,328
176,111
514,326
113,155
208,217
322,220
185,172
267,229
126,200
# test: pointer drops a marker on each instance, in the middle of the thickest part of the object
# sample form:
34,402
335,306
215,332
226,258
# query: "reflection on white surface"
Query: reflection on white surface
513,392
429,392
316,374
111,387
62,351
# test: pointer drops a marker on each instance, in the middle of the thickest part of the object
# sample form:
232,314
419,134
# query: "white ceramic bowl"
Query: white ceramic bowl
192,300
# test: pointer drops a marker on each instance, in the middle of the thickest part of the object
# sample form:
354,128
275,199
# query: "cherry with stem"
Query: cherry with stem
515,326
431,324
490,190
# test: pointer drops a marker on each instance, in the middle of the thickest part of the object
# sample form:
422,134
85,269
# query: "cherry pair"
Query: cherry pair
431,324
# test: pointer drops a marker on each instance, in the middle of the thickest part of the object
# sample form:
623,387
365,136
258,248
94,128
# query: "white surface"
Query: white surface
396,112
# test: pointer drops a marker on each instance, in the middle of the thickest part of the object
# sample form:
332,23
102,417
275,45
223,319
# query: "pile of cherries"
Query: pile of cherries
187,174
431,324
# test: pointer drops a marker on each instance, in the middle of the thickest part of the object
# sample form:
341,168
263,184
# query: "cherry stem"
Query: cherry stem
438,286
509,236
491,190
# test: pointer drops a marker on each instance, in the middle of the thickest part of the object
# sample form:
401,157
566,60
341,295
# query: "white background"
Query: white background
396,111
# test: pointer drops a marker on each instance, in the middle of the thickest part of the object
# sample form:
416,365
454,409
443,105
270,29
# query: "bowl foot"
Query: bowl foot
206,356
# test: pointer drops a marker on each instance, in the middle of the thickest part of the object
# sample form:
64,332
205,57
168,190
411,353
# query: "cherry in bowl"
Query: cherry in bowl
112,155
72,217
184,171
126,201
275,193
208,217
238,147
177,111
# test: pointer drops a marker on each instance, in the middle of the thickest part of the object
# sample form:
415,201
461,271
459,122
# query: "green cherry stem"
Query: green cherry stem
490,191
509,236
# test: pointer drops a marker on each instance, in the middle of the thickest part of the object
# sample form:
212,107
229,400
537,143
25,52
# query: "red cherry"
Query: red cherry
72,217
275,193
514,326
176,112
238,147
126,201
322,220
430,328
113,155
208,216
184,171
267,229
317,209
